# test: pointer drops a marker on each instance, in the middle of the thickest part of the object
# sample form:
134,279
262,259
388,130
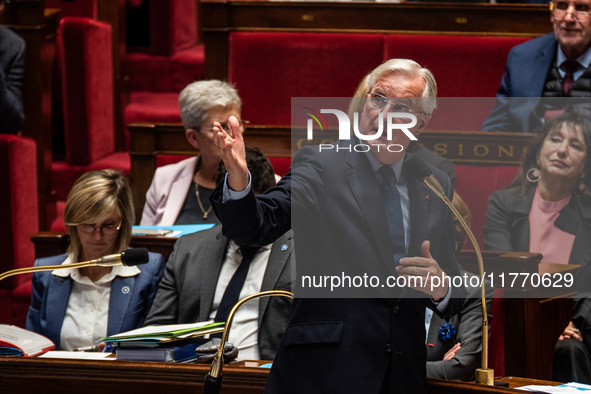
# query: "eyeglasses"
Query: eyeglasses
560,10
378,101
226,126
106,229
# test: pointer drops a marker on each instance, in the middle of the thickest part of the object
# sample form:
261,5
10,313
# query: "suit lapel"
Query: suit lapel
178,193
121,293
542,63
58,291
210,260
278,259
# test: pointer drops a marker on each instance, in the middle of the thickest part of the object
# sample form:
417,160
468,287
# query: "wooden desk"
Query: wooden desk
20,375
532,320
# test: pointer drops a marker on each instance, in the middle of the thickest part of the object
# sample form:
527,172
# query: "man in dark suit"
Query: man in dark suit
537,68
350,340
12,66
199,270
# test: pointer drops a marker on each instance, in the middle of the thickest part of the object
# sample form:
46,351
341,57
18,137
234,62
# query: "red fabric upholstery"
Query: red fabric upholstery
280,164
87,85
464,66
165,73
173,26
496,340
18,215
475,184
88,102
270,68
162,107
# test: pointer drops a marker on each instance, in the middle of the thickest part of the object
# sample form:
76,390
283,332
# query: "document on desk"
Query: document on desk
571,387
170,231
78,355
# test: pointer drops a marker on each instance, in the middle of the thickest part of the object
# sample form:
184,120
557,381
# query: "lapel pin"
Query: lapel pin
426,197
125,289
284,247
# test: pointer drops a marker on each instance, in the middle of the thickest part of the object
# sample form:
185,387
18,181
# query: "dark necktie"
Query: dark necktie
569,67
232,293
393,208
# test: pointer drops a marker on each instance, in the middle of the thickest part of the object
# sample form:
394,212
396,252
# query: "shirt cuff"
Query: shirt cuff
442,305
229,194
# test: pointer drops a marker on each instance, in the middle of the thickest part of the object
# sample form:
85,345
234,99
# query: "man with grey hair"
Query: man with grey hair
179,193
12,68
354,211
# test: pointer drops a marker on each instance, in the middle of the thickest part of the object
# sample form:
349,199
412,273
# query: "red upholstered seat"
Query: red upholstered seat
88,102
475,184
271,68
464,66
18,215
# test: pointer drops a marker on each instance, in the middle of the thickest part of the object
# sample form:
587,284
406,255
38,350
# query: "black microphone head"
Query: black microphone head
417,167
135,256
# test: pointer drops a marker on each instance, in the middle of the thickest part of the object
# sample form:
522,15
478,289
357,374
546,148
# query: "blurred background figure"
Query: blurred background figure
76,307
12,67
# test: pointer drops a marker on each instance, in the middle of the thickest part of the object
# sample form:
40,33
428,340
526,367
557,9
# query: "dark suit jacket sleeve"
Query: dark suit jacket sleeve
497,230
469,333
165,308
12,60
260,221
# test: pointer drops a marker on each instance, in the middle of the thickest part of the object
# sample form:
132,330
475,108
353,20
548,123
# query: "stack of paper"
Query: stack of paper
162,335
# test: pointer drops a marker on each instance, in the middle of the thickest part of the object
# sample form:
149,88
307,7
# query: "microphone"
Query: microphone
128,257
213,379
420,170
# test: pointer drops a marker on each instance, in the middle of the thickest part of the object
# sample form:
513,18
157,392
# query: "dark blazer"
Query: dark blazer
345,345
186,292
12,68
127,309
527,68
468,325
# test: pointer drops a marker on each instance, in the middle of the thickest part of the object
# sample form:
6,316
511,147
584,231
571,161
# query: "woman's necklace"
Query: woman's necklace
205,213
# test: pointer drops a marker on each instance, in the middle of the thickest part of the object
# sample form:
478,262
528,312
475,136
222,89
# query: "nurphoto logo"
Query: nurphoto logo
392,123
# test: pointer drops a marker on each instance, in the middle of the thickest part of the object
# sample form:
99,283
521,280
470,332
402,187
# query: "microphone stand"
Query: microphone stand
105,261
484,375
213,379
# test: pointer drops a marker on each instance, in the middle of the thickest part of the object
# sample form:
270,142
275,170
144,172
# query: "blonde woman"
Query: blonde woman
76,307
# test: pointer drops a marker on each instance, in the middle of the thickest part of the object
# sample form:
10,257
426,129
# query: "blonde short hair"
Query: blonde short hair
95,196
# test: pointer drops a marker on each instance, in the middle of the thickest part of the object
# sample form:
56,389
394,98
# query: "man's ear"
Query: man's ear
192,137
422,124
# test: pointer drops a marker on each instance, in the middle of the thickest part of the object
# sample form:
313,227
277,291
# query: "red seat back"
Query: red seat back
87,84
19,218
271,68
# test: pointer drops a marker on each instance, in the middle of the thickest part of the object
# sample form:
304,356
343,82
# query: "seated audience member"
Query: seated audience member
201,266
76,307
550,66
430,157
12,68
547,210
454,347
179,193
